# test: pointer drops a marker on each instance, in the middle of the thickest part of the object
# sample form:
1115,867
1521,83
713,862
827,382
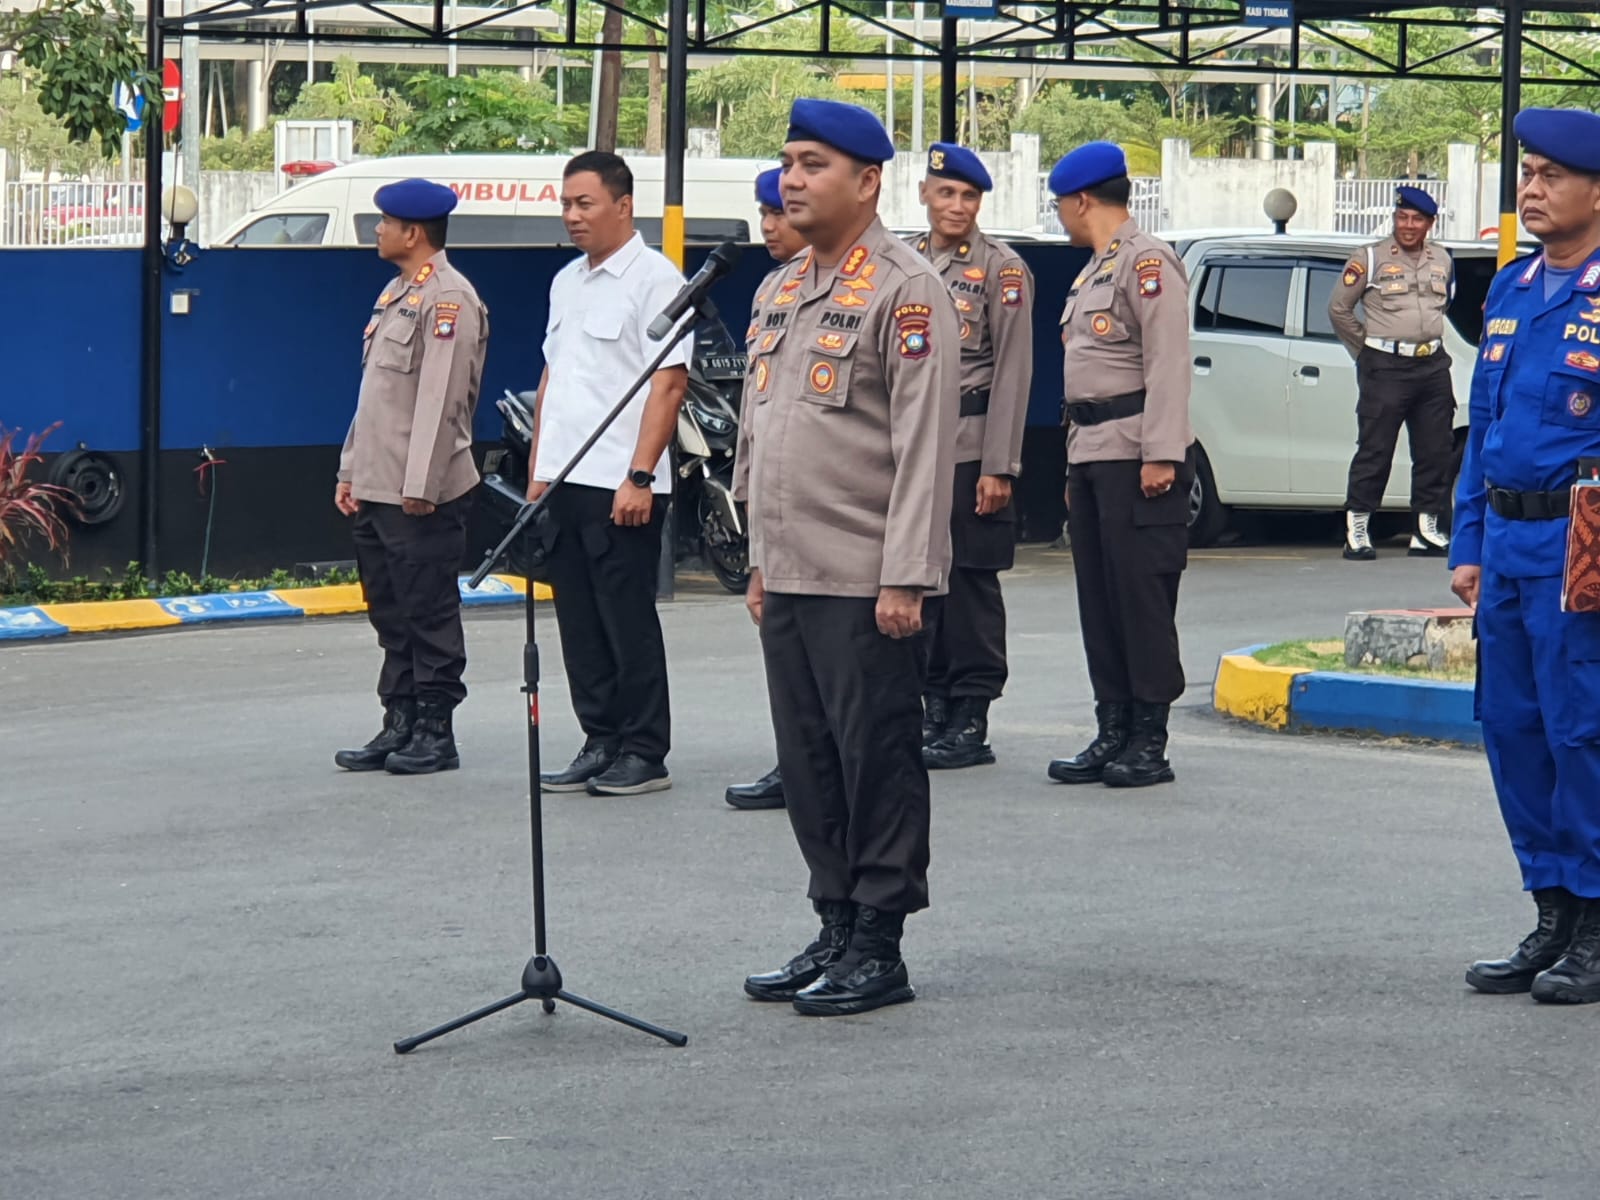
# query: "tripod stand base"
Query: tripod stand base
541,980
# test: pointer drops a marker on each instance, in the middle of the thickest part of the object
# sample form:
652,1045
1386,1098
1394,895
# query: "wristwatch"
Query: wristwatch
641,479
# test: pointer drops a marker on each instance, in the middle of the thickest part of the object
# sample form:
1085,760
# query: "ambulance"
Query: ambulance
505,199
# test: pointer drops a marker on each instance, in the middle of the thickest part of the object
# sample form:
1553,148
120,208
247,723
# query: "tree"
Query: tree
494,110
82,50
378,113
33,137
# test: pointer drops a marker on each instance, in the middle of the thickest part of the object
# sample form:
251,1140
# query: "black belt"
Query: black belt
1112,408
1529,506
975,403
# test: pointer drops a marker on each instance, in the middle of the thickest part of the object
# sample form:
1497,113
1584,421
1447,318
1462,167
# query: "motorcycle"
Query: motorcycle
710,523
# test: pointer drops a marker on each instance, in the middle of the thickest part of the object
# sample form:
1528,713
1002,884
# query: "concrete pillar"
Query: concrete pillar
1264,110
256,95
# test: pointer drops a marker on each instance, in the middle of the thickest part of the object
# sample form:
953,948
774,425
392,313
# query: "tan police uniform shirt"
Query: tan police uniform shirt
849,423
1405,296
993,293
422,359
741,461
1126,327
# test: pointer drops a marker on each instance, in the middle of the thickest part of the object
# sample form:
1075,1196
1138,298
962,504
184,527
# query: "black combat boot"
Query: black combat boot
432,746
1086,766
398,718
1540,950
935,714
1575,979
870,975
838,916
965,742
1143,760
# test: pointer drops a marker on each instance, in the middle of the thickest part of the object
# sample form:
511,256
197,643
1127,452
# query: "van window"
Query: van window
284,229
1320,284
491,229
1244,298
1474,273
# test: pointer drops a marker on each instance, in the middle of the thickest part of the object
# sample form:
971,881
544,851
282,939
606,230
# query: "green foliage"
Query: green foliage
33,585
238,151
493,110
82,49
378,112
32,136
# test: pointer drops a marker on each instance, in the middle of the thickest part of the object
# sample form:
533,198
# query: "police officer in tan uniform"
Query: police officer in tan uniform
1130,466
783,242
1405,284
850,412
406,475
992,290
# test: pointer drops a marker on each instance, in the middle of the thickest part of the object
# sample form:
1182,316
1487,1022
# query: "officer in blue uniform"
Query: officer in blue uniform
1535,421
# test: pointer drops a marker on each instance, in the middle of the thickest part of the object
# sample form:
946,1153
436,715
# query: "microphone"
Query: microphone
718,264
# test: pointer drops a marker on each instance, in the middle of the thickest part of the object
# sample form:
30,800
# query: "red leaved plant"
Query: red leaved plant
27,506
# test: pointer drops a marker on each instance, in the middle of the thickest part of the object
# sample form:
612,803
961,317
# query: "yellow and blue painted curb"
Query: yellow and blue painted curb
33,622
1335,701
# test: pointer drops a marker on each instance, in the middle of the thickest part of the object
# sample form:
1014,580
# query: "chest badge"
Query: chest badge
1580,404
1582,360
831,341
1101,324
822,378
762,374
1592,314
976,274
966,330
849,300
1494,351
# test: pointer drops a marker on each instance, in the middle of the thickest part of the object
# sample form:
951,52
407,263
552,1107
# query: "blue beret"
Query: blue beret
1412,197
415,200
1089,164
1569,136
950,161
847,127
767,192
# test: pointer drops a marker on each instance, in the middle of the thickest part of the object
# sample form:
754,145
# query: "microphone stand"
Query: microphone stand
541,978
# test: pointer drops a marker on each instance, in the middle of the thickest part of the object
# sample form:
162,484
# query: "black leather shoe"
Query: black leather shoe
965,742
432,746
1087,765
807,967
631,775
1143,760
591,761
870,975
398,717
1540,950
1575,979
766,792
935,713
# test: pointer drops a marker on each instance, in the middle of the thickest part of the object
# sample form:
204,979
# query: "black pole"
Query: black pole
947,80
1510,103
673,239
150,308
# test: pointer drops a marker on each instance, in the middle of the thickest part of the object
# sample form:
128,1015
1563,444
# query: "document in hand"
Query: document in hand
1580,584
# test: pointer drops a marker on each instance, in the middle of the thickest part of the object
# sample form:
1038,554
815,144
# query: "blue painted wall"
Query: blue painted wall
270,353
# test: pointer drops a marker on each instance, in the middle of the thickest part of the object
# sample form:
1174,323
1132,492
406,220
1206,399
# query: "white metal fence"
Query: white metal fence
1366,206
72,213
1144,205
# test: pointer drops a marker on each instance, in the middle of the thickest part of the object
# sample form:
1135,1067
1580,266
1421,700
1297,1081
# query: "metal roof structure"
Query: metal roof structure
1208,35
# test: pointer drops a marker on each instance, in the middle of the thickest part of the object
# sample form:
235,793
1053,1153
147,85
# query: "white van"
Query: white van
1273,392
506,199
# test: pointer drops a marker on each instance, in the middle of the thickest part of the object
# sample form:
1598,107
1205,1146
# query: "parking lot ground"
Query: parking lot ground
1244,984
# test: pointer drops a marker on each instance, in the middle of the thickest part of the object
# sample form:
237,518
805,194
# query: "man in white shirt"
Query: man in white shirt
609,512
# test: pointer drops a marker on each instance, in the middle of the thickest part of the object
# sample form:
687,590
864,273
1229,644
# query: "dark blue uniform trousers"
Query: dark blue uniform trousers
1538,698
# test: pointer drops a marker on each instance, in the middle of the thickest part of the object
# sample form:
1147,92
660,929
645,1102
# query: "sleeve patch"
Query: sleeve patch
1010,272
1011,292
445,317
1353,271
1149,270
911,330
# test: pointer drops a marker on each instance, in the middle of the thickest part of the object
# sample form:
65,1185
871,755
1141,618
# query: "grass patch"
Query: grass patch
1327,654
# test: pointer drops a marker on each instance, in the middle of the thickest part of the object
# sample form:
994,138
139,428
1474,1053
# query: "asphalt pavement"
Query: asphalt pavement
1248,983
